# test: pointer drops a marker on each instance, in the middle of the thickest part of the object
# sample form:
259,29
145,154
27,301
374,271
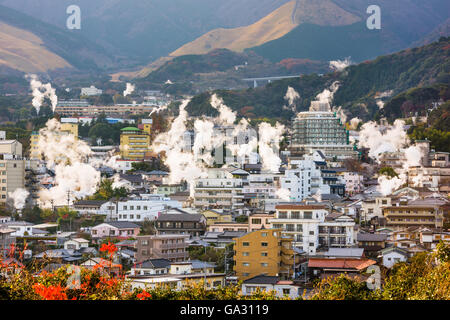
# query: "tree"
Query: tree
66,215
107,192
388,171
32,215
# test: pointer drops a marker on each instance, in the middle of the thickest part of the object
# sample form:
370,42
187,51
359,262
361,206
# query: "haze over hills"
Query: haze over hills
147,30
30,45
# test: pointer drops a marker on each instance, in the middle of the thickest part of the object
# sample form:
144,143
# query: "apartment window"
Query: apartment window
263,254
263,264
131,207
287,291
245,254
145,207
144,242
246,264
264,244
263,234
138,208
311,233
125,208
311,244
282,215
295,215
245,244
307,215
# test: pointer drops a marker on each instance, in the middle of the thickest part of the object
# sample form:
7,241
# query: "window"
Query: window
287,291
307,215
311,244
263,234
245,244
264,244
264,264
282,215
245,254
311,233
246,264
264,254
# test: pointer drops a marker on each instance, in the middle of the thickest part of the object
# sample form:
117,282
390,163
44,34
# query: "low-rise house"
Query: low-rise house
318,266
216,216
282,288
88,207
193,225
60,255
103,264
371,242
151,267
115,229
21,228
391,255
4,219
7,240
259,221
76,244
222,239
230,226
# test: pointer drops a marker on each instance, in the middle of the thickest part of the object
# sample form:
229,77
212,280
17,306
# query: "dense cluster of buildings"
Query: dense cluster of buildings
312,218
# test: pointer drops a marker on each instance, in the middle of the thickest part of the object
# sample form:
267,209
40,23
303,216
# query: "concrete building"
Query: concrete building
12,175
409,215
193,225
164,246
134,144
320,129
310,229
220,189
263,252
91,91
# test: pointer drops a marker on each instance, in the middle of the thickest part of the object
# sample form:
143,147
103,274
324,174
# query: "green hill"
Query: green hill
360,84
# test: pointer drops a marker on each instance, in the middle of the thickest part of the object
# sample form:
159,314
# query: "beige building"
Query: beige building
171,247
12,168
12,177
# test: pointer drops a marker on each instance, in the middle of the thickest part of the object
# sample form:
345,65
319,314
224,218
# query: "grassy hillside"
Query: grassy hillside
22,50
59,47
360,84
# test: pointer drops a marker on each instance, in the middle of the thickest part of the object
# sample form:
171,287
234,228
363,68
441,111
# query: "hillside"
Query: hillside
22,50
405,23
34,46
144,31
360,84
221,68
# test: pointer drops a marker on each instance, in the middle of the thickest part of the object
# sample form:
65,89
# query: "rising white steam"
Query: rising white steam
75,178
354,122
393,139
269,142
327,95
129,89
290,97
340,65
41,91
19,197
283,194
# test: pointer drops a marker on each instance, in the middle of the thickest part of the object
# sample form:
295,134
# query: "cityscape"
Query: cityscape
227,163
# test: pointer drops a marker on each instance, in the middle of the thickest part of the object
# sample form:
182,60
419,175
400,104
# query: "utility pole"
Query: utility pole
68,204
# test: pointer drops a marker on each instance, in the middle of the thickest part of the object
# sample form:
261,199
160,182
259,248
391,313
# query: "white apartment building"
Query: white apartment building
12,168
219,189
308,226
303,179
91,91
146,207
260,190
